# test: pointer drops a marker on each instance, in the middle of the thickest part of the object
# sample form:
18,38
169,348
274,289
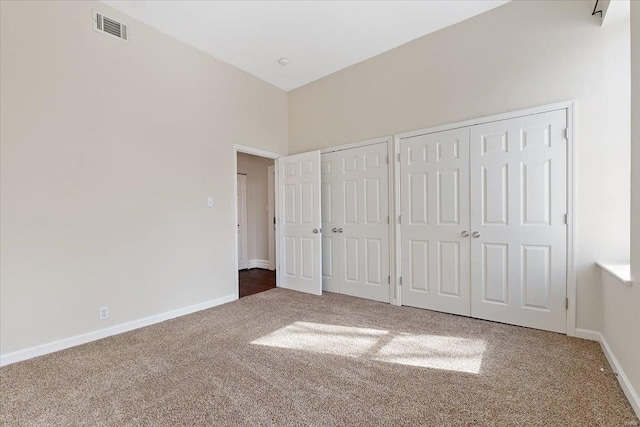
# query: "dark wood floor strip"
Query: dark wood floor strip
255,281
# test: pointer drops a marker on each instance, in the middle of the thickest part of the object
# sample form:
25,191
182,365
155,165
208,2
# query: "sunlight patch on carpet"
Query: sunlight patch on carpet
321,338
426,351
432,351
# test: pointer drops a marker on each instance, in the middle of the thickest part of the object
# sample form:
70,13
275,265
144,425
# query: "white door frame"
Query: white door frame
392,205
570,107
244,243
271,213
237,148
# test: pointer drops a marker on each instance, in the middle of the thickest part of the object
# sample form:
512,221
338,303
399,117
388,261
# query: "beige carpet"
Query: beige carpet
285,358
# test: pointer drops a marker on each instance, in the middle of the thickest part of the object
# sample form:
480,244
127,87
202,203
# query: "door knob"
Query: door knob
475,234
334,229
315,230
464,233
339,230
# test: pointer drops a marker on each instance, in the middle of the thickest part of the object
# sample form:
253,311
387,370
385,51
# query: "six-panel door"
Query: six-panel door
434,180
355,210
299,233
518,207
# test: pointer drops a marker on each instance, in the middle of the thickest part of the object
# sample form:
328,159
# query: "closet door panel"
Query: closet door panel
518,207
299,200
355,228
365,231
331,210
434,192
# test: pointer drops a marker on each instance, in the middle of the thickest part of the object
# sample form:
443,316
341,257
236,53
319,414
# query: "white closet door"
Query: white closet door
243,259
434,180
355,210
518,207
299,217
331,197
363,206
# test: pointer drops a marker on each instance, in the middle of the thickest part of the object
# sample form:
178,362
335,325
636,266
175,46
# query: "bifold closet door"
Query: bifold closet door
355,191
434,181
331,196
518,207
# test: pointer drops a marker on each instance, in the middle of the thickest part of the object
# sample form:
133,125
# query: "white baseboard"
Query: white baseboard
260,263
40,350
588,334
626,385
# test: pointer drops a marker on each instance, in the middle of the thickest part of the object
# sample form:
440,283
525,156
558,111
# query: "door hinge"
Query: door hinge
566,133
566,219
399,219
398,156
389,279
387,159
566,303
400,281
388,219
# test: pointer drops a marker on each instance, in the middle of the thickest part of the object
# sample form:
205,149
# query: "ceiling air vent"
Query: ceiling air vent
111,27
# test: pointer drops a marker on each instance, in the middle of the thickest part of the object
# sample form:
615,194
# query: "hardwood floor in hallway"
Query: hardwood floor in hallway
256,280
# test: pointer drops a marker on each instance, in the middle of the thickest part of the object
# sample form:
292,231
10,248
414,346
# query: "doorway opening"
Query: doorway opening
256,222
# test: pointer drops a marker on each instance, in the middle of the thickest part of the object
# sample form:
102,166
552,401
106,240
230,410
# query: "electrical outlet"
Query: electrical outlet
104,312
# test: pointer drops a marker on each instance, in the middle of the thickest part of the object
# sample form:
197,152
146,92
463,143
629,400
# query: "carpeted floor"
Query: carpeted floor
286,358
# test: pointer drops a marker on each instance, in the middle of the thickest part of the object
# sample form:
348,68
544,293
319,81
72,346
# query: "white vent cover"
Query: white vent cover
109,26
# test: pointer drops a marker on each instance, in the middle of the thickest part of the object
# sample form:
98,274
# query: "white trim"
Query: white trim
569,106
626,385
487,119
622,272
259,263
52,347
397,229
276,232
588,334
238,148
271,214
245,238
255,151
630,393
359,144
392,215
572,288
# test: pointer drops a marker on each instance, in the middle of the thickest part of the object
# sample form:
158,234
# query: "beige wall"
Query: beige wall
519,55
109,152
629,335
621,323
256,169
